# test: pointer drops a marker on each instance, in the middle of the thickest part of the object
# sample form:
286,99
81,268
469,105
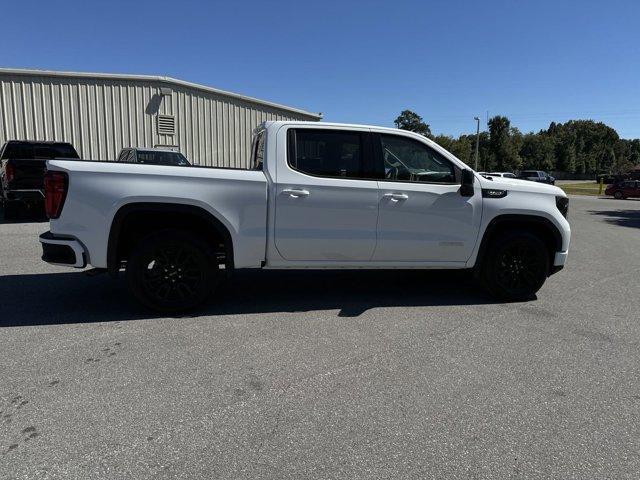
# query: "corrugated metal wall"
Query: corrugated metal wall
100,116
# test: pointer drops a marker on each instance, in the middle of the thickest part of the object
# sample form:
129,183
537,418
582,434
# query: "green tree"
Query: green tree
408,120
502,145
461,147
464,149
565,151
580,146
537,152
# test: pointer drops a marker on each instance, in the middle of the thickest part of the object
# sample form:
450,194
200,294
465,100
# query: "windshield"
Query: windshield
162,158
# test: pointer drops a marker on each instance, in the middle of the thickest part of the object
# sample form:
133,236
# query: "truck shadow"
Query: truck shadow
62,298
622,218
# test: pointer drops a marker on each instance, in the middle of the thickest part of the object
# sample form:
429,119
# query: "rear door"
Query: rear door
326,197
422,216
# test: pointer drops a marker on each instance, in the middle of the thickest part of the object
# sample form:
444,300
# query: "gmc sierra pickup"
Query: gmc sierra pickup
319,195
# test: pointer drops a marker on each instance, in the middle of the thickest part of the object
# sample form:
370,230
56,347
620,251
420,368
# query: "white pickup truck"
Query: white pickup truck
319,196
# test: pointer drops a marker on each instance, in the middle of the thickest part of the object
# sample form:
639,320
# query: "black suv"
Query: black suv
537,176
22,165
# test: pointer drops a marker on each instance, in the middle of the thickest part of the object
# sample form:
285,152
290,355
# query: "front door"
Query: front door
326,204
422,216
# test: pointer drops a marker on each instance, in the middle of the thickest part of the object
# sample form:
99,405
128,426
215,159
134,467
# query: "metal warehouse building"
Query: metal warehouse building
102,113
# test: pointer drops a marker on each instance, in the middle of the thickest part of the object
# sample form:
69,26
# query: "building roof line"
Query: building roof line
155,78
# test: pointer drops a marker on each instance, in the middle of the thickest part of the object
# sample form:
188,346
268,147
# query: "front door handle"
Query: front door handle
295,192
396,197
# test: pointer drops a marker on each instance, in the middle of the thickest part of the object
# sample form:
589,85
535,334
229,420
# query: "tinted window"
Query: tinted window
45,151
258,153
327,153
411,161
161,158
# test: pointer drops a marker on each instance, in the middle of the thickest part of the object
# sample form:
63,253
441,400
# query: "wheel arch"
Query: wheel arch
159,215
541,226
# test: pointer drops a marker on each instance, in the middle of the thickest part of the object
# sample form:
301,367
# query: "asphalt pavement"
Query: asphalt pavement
355,374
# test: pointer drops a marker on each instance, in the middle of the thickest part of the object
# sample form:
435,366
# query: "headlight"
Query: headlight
563,205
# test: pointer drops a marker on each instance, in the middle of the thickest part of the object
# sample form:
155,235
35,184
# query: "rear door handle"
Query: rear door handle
295,192
396,197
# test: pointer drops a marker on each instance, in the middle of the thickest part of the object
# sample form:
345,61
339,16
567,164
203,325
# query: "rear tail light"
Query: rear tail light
55,191
9,172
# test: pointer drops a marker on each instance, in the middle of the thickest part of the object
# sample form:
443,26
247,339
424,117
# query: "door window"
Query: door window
327,153
408,160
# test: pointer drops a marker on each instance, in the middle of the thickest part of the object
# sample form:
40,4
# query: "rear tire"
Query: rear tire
618,196
171,271
515,266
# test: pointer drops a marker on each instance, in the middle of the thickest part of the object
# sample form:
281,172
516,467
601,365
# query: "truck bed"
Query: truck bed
97,190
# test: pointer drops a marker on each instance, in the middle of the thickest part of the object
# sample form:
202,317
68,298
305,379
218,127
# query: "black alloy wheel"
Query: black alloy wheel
171,271
516,266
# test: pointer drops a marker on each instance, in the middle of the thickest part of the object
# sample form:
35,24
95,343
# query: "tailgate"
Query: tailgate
27,174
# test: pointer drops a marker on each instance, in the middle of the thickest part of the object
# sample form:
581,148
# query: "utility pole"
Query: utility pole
477,119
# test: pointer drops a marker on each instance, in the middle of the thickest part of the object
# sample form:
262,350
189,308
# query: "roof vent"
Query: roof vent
166,125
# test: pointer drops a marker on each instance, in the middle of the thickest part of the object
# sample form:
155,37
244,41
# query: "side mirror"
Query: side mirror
466,188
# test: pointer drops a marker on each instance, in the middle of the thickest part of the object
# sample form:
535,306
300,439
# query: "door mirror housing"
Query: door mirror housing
466,187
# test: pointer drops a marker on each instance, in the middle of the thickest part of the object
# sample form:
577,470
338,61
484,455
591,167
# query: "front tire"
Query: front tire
618,196
171,271
515,266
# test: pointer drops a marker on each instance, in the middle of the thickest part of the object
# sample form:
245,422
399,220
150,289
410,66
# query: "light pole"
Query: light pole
477,119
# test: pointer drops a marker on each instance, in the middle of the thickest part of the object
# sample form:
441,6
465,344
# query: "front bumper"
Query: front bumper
559,260
64,251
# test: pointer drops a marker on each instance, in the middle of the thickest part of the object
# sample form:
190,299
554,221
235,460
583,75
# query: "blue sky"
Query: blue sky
534,61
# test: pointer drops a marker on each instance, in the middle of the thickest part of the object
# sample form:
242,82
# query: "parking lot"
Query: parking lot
352,374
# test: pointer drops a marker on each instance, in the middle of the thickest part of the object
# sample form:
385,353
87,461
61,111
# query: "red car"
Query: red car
624,189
